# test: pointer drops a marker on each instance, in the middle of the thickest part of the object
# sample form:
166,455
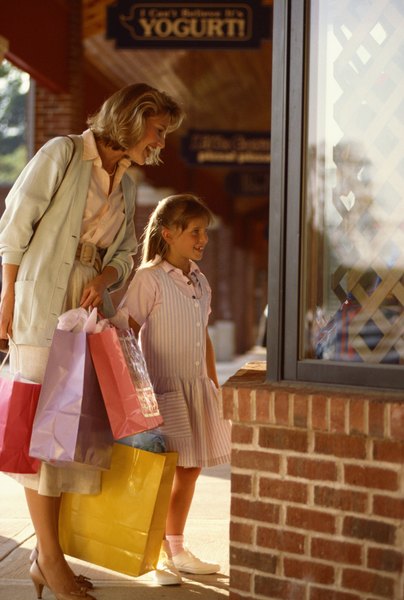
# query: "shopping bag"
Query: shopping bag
18,403
125,383
121,528
71,426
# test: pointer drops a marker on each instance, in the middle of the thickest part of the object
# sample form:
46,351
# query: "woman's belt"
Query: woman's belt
89,254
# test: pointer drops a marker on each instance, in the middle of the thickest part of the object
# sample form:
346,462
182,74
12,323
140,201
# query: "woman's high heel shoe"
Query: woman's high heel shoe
81,580
40,582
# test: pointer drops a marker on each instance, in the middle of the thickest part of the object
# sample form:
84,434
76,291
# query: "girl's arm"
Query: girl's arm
135,326
9,275
210,360
140,298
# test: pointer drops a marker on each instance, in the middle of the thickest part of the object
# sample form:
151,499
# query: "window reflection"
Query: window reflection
353,243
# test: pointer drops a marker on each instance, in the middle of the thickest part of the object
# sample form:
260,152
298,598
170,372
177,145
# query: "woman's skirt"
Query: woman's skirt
30,362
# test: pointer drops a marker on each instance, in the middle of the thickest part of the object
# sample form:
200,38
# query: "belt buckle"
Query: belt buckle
88,254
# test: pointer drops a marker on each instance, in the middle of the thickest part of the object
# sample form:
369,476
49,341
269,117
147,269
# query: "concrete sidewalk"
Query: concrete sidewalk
207,534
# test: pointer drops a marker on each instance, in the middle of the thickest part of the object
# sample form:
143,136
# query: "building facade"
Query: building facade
317,484
318,432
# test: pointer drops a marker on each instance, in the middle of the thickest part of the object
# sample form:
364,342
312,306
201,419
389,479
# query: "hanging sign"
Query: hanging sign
168,24
249,182
226,148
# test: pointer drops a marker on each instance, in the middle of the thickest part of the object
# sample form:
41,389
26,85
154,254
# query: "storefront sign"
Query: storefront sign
168,24
250,182
226,148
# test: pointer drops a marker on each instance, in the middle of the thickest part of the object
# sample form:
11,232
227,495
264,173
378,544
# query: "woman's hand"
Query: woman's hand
6,315
93,291
9,275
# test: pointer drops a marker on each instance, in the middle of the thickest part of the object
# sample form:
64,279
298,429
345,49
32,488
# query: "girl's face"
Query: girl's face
186,245
152,142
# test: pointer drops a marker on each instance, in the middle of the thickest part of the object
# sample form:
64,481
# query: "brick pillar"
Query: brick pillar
317,506
60,114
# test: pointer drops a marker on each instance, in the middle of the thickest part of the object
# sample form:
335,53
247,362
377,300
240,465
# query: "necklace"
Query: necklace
112,173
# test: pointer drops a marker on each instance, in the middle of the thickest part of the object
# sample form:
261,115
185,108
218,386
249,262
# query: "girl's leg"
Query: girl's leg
181,499
44,511
176,558
180,503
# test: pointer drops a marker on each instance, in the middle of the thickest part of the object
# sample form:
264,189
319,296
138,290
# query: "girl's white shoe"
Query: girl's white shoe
166,573
186,562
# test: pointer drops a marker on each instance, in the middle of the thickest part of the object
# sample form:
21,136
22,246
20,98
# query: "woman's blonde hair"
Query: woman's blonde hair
173,211
121,121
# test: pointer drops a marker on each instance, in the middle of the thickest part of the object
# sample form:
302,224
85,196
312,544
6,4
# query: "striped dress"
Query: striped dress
173,340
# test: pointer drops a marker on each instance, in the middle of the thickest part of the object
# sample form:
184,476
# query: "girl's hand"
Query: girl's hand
216,385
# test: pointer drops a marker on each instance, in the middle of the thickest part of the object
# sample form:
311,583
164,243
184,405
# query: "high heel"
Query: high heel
34,555
40,582
81,580
37,579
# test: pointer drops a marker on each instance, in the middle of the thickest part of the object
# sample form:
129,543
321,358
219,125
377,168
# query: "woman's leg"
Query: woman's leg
181,499
44,512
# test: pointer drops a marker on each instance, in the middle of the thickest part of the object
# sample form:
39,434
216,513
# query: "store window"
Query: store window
348,208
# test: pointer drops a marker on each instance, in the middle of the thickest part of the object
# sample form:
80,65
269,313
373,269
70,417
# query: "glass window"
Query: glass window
14,88
353,219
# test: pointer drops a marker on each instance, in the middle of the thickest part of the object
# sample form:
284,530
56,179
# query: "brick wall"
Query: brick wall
61,114
317,506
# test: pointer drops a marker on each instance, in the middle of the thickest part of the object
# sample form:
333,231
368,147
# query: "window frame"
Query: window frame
290,44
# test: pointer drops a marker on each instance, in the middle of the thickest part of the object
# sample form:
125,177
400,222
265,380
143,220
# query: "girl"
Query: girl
168,302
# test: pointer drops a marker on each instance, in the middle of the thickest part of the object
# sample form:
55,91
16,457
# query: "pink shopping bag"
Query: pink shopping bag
18,403
125,383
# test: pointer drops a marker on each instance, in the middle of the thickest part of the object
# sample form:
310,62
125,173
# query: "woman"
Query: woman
66,240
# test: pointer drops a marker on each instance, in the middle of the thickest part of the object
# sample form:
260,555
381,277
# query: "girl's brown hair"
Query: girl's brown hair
173,211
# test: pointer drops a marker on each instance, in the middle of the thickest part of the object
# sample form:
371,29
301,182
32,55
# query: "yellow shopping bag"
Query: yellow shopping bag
122,527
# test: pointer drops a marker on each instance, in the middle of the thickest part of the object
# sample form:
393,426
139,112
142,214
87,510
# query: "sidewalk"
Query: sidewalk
207,534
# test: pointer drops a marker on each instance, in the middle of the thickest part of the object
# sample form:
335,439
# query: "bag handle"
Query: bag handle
67,165
55,191
5,359
5,345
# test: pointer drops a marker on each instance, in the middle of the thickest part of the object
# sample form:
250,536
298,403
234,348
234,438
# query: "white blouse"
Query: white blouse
104,211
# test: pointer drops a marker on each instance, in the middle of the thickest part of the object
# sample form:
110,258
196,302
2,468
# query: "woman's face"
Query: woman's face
153,140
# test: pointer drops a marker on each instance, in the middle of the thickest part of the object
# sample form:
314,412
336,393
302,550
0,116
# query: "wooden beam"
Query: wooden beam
38,40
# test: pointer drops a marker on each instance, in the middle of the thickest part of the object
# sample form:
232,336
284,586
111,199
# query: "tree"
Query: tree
13,96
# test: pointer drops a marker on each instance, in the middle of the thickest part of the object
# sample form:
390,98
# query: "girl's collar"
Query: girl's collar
193,267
